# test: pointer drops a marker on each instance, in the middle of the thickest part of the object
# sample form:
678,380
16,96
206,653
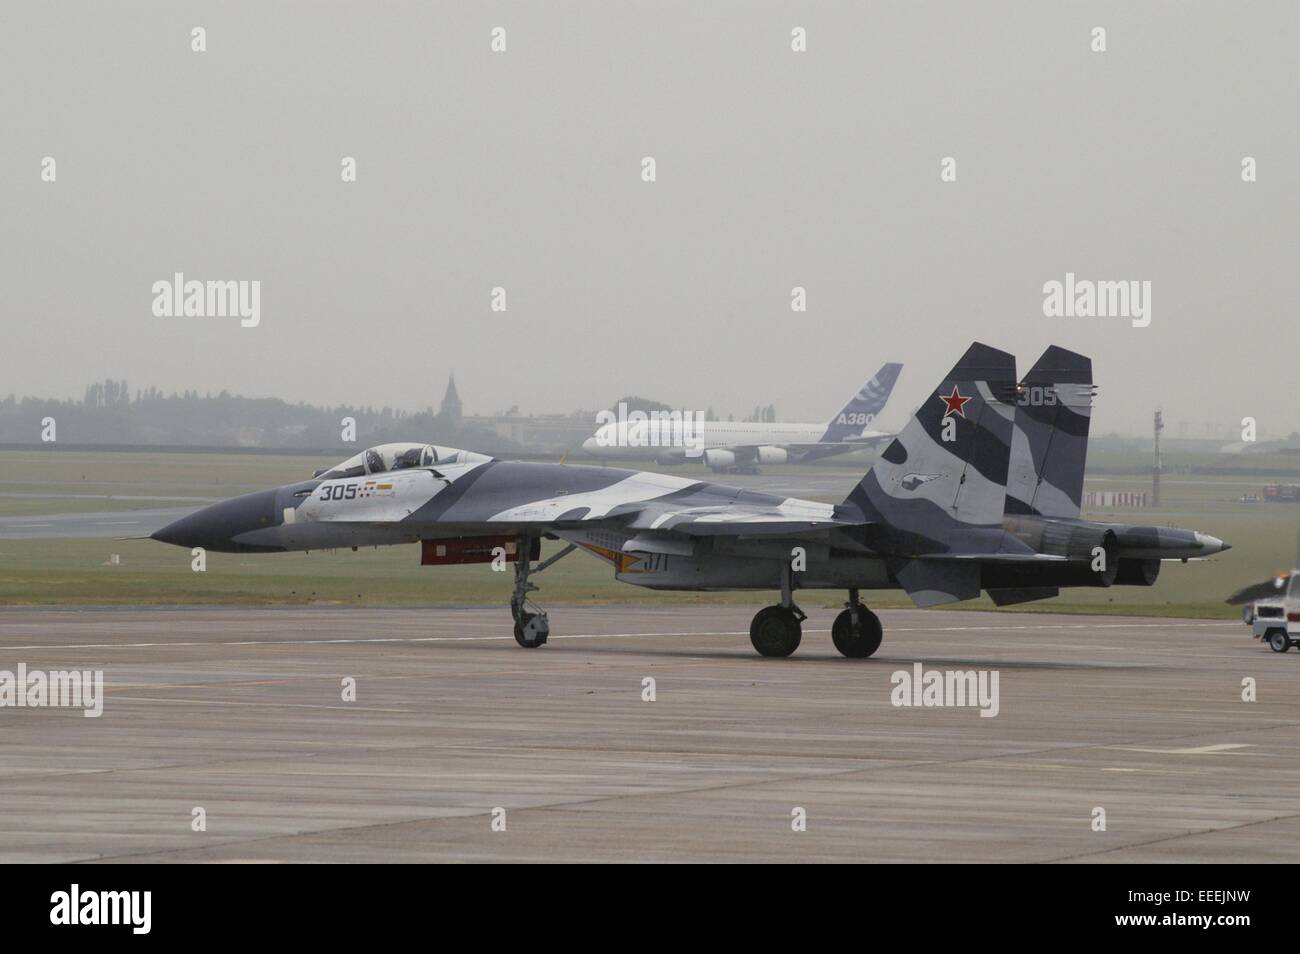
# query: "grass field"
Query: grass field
80,571
133,481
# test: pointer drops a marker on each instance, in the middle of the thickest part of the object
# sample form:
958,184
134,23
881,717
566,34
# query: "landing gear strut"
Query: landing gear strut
777,630
531,624
856,632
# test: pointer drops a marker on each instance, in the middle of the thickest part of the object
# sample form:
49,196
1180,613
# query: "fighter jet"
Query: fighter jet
739,447
978,492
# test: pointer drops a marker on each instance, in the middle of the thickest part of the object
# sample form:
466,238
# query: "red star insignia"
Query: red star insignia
954,401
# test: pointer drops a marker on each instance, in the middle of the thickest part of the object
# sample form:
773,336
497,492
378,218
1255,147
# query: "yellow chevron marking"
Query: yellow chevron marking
622,561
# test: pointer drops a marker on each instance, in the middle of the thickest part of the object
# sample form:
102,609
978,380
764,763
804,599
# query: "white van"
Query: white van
1276,619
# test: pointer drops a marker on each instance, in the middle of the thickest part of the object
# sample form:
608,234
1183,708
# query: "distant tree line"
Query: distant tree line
109,414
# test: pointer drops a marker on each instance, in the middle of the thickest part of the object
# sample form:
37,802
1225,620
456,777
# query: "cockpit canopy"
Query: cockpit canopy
388,457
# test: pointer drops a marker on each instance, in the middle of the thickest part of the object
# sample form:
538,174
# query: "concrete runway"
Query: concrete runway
238,711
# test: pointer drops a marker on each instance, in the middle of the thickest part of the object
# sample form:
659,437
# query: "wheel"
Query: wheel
775,631
528,641
1279,641
861,643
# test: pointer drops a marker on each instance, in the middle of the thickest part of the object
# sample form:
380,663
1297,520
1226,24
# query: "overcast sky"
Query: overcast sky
775,169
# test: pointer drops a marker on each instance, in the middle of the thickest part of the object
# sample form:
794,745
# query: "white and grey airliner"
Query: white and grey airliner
740,446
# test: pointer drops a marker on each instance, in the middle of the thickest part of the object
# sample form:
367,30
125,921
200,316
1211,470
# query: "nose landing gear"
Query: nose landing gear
532,627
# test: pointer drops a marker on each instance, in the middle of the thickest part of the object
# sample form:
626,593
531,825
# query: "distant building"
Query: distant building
1115,499
451,406
550,433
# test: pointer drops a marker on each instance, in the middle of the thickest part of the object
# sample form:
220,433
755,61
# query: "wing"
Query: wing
738,519
1274,586
631,501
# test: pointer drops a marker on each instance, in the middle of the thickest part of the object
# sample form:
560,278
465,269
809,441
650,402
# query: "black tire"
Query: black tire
1279,641
865,641
775,631
520,623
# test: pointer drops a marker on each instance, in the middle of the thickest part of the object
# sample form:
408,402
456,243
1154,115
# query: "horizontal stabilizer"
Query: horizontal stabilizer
930,584
992,559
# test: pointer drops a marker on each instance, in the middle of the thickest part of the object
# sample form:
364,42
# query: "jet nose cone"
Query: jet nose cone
175,533
219,526
589,445
1212,544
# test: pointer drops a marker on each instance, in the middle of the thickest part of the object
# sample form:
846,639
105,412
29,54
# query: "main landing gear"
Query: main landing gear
856,632
777,630
531,624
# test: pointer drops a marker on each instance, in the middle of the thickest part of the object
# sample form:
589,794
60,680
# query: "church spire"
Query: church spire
451,405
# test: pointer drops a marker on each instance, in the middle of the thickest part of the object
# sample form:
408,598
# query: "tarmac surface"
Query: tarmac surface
239,712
